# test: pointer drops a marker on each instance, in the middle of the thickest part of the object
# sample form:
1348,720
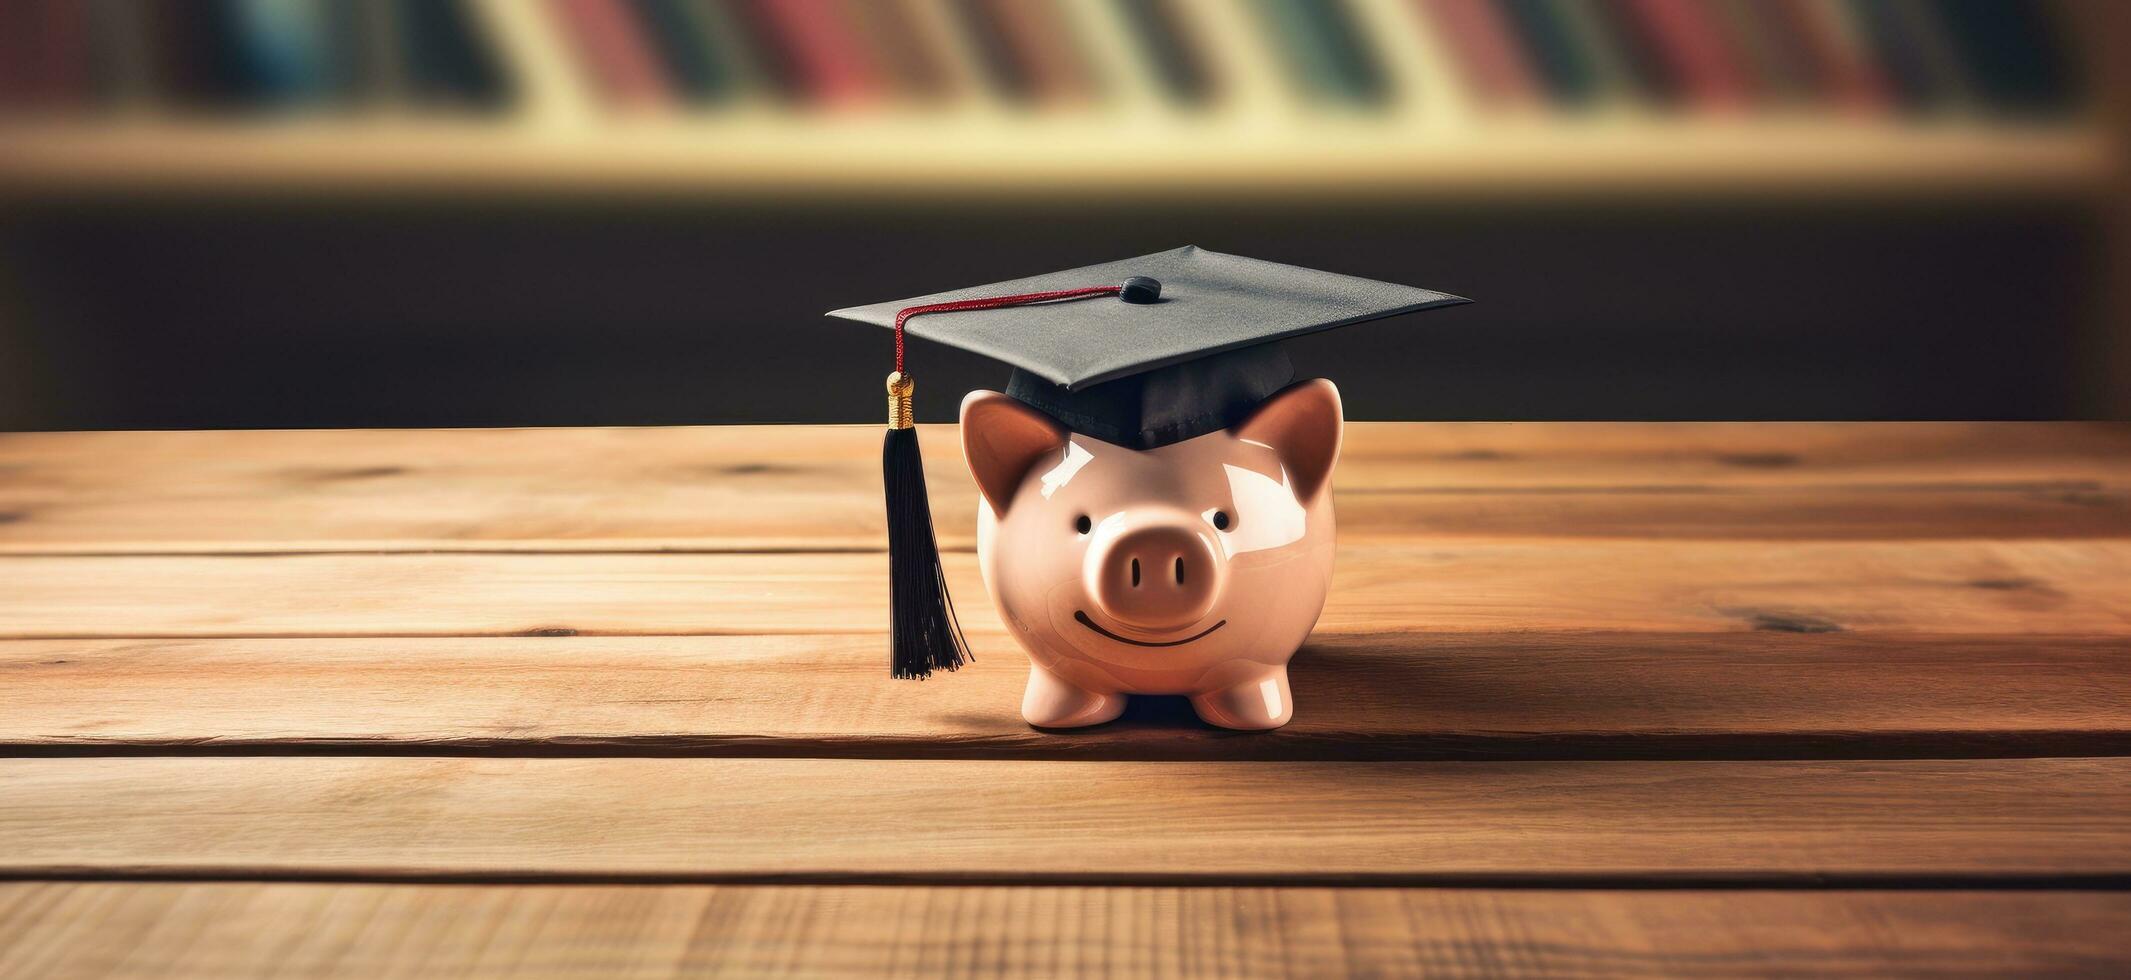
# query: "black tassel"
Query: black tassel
923,633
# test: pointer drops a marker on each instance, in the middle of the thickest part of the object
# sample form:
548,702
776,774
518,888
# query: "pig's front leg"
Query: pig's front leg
1255,705
1052,702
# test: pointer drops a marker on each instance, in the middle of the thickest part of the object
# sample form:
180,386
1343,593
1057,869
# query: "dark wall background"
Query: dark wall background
438,312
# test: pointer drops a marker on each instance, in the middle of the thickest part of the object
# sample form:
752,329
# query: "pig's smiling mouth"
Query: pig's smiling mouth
1091,624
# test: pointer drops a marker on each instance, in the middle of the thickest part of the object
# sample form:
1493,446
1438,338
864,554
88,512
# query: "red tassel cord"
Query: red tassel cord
991,303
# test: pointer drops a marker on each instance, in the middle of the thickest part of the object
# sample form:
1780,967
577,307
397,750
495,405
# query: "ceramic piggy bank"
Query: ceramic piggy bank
1157,512
1195,568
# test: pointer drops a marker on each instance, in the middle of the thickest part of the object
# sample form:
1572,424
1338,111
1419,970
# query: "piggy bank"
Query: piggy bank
1196,568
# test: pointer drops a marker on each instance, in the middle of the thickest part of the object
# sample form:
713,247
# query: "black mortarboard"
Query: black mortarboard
1195,360
1139,353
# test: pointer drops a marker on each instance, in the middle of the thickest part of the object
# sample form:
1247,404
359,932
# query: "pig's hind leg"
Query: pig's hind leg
1255,705
1051,702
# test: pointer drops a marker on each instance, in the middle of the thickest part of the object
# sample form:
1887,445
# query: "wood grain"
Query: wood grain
1064,821
1452,586
1363,696
285,929
745,488
603,660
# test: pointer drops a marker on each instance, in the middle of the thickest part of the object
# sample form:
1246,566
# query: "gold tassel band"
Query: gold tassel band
899,413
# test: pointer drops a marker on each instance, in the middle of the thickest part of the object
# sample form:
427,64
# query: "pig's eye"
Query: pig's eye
1220,520
1083,525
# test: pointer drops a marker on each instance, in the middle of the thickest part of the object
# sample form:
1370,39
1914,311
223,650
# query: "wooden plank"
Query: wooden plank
289,929
848,519
1065,821
1364,696
1451,586
817,487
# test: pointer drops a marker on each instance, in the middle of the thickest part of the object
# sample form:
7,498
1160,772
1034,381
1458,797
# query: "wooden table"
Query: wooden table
1595,699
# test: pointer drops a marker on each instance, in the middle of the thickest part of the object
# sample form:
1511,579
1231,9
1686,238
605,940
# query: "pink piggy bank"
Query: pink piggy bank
1196,568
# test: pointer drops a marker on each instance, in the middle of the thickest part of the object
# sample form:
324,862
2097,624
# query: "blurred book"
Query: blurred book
1327,56
46,57
616,48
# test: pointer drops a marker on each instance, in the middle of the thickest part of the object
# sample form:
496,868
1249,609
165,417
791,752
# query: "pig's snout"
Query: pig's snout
1155,575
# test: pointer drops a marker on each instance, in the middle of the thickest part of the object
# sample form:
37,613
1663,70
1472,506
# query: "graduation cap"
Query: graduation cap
1139,353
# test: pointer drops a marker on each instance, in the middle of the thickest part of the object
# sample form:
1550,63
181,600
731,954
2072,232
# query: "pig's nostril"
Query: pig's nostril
1135,573
1180,569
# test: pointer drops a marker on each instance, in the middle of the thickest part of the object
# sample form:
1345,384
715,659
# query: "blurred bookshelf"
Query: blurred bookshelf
1360,98
224,213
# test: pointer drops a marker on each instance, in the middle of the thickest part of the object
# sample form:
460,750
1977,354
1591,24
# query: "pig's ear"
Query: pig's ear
1303,424
1001,439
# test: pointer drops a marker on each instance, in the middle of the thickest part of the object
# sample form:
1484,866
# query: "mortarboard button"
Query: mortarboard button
1141,290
